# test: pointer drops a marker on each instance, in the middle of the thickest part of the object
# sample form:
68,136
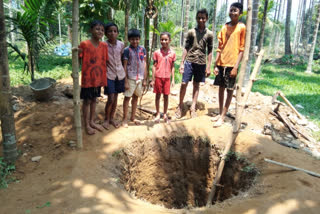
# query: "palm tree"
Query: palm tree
314,39
75,71
182,14
186,18
266,2
214,20
287,29
6,112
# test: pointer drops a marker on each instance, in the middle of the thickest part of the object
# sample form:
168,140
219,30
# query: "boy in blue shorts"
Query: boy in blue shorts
198,45
134,63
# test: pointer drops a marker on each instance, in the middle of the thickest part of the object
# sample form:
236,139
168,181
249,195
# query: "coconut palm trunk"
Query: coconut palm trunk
287,46
6,111
263,24
314,39
126,22
214,20
186,18
297,30
75,72
182,14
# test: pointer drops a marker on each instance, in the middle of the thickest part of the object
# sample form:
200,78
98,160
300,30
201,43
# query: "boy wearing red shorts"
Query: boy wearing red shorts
163,68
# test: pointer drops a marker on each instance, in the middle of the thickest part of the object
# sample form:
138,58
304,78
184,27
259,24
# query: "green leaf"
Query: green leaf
47,204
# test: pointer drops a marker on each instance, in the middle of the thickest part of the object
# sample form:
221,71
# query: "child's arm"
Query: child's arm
146,72
216,70
208,72
234,71
184,54
172,74
153,73
126,83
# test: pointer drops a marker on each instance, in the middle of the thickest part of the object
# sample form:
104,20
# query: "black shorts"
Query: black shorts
90,93
114,86
223,79
197,71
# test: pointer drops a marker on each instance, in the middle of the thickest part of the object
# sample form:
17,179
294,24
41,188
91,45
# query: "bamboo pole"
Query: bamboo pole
236,128
75,72
293,167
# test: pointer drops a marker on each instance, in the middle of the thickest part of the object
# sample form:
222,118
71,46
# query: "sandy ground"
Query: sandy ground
87,181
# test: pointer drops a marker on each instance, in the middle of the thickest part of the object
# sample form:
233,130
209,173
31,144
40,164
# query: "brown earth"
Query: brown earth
88,181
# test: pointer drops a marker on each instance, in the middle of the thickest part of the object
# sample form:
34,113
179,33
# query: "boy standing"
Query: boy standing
134,64
193,64
229,54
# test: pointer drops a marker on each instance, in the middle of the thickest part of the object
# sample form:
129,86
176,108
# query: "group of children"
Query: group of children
122,69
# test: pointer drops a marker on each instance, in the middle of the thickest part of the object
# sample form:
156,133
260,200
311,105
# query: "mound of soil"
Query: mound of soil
178,172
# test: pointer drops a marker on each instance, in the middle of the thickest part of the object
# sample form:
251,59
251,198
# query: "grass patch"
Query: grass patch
5,173
298,86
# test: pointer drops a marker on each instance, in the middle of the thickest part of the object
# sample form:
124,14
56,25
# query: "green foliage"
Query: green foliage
168,26
5,172
298,86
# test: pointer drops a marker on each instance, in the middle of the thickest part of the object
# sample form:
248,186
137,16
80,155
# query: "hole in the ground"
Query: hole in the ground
177,172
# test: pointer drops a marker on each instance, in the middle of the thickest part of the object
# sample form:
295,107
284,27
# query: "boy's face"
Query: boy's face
134,41
234,13
201,20
97,32
112,33
165,41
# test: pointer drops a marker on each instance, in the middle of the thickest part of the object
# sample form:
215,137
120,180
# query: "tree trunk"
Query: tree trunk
266,2
314,39
287,49
307,34
297,30
59,22
75,72
8,131
186,18
12,34
214,22
254,26
146,39
182,14
303,27
126,22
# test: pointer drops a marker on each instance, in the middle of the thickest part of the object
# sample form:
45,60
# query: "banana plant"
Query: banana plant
169,27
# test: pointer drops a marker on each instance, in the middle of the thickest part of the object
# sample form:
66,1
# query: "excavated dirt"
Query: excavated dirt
178,172
67,180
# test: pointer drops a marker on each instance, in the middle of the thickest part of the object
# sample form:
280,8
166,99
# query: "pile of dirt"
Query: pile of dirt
178,172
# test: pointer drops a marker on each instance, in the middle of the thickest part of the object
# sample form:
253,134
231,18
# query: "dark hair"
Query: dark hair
110,24
237,5
133,33
95,23
204,11
165,33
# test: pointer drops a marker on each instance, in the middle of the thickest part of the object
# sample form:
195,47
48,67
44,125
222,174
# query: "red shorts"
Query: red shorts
162,86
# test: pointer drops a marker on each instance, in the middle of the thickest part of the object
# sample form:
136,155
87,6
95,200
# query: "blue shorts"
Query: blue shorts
114,86
196,70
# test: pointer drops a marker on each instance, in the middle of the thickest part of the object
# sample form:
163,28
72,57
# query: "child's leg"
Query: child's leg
195,95
224,111
125,111
86,116
183,90
113,111
165,107
134,103
221,103
157,101
93,115
107,111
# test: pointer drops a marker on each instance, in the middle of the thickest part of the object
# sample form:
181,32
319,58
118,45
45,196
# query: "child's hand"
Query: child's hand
126,84
234,72
208,72
78,49
152,83
181,69
172,84
216,70
144,83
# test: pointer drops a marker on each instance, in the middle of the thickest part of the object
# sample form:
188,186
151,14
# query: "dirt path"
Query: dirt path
88,181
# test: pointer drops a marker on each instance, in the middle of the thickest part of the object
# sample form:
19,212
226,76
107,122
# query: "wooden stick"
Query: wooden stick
290,105
293,167
283,119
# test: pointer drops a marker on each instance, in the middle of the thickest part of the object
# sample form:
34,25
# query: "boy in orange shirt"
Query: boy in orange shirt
229,54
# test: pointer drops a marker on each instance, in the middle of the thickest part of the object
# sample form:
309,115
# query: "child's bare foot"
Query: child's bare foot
96,126
193,113
157,118
90,131
136,122
114,123
219,123
178,112
125,124
215,118
166,118
105,124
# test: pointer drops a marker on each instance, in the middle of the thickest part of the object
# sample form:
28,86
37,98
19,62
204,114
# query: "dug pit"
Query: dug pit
178,172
